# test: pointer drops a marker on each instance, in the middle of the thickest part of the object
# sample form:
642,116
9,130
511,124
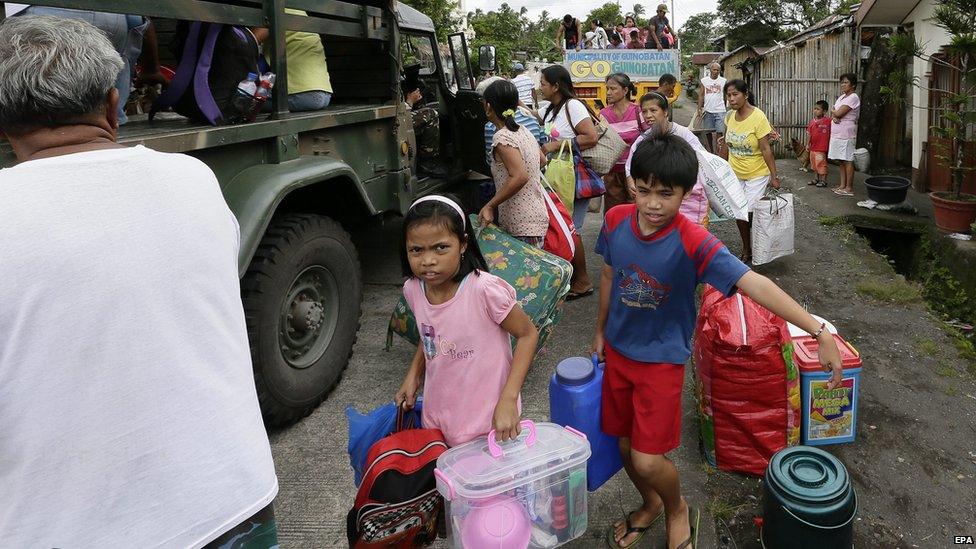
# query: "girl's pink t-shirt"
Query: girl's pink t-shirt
469,354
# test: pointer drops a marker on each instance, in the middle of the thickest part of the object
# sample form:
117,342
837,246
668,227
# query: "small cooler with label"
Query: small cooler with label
829,415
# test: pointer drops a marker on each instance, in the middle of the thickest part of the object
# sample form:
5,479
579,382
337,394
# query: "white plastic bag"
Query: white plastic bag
725,193
772,228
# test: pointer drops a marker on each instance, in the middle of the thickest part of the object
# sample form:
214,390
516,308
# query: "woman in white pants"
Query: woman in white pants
843,132
747,136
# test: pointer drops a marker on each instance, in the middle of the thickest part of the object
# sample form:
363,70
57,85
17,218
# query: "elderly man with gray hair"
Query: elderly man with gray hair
128,414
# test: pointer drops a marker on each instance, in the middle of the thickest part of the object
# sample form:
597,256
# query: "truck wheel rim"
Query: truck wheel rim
308,317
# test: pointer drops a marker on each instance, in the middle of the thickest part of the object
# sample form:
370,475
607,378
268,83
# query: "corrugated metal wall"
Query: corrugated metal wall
791,79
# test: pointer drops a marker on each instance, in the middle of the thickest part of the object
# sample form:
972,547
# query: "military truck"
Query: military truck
298,181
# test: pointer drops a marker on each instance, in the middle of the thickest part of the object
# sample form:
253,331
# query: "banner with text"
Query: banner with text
639,65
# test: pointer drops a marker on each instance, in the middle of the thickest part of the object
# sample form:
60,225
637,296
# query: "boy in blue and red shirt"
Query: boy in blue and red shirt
819,131
654,261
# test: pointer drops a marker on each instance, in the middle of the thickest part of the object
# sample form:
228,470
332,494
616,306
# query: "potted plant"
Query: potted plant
955,211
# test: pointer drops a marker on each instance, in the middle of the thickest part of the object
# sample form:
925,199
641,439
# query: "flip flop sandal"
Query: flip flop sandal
844,193
694,517
814,182
640,531
573,296
820,184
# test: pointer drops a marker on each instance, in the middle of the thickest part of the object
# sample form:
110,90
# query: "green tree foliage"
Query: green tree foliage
764,23
503,29
609,14
697,33
444,14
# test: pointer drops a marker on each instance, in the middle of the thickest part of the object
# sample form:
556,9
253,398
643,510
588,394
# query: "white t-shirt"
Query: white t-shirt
13,9
714,94
524,84
602,41
128,414
561,123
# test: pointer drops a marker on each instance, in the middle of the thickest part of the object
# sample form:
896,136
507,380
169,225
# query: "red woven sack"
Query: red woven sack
738,350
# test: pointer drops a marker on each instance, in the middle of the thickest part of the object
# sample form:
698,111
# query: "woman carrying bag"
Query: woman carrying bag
556,86
624,116
515,169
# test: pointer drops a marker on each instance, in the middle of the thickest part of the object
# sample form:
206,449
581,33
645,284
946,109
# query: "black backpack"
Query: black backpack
214,59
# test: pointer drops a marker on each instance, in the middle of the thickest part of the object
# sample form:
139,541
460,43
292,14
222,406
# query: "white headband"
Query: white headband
442,200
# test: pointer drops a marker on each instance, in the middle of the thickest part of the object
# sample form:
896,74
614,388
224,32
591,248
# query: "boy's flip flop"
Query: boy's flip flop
640,531
572,296
694,516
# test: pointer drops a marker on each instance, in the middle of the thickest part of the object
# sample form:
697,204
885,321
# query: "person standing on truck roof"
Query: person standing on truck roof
600,41
309,85
630,25
659,29
569,119
711,102
525,85
129,34
570,33
128,409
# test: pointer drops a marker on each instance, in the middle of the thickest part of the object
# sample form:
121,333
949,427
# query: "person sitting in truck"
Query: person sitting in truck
309,85
128,404
131,36
426,122
634,43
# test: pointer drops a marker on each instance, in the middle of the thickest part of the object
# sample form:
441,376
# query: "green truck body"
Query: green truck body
296,181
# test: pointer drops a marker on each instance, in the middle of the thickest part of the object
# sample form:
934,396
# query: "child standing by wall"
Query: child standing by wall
655,259
465,316
819,131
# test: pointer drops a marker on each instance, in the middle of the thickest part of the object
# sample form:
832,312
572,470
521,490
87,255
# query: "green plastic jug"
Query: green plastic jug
808,501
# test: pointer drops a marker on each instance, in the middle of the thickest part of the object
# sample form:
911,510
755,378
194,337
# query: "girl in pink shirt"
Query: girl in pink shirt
466,317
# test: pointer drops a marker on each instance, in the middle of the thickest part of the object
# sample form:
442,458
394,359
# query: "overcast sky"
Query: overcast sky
682,8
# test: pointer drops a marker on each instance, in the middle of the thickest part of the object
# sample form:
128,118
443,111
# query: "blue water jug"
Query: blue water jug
574,401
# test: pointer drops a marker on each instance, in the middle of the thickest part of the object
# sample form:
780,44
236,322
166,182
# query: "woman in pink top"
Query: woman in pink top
466,317
655,108
623,116
843,132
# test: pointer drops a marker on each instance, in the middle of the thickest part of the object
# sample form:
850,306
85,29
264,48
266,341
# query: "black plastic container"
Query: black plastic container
808,501
887,189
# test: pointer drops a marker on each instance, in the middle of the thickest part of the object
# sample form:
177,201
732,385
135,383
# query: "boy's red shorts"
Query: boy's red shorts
818,161
642,401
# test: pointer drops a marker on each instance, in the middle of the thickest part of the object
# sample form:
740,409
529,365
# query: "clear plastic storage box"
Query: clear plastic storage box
530,492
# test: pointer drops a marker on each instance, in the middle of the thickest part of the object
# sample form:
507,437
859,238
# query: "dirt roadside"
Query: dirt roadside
914,460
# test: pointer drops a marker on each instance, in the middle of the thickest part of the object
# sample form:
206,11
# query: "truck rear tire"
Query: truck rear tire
302,298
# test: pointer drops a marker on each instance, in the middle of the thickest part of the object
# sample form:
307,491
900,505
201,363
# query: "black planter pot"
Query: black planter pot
887,189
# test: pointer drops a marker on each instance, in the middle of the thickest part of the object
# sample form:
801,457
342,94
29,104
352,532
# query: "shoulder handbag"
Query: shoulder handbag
561,175
589,183
609,145
559,238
